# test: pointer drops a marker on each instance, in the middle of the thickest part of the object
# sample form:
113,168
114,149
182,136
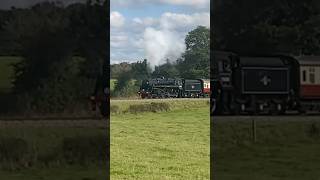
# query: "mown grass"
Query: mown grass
6,72
285,148
161,145
52,153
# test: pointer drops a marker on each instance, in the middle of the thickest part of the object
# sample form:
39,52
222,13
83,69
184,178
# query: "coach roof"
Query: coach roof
309,60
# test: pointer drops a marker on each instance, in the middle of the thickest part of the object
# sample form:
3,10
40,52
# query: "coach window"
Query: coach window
304,75
312,75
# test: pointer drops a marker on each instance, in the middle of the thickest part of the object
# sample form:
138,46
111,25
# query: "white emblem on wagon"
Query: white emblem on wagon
266,80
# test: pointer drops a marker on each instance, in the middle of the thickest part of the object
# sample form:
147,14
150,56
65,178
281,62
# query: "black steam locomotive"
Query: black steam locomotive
174,88
264,83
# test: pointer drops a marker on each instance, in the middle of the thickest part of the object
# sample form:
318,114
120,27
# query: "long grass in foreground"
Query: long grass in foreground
164,145
285,149
65,173
37,153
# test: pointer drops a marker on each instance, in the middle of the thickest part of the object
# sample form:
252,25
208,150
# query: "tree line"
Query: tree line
63,49
267,26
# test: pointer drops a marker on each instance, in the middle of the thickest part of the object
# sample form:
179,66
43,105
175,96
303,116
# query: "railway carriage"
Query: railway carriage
206,87
309,83
310,77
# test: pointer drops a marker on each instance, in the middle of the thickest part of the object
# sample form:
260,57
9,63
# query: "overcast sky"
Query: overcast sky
153,29
7,4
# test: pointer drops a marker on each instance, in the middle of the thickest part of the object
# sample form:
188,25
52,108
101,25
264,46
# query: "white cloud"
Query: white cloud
182,21
197,3
148,21
118,41
116,20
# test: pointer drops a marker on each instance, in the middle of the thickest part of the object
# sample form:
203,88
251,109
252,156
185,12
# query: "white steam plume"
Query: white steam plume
161,45
166,41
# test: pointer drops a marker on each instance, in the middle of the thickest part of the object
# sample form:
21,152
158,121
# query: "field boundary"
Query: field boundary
51,118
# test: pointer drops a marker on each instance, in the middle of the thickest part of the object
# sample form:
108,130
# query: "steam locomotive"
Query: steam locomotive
174,88
270,84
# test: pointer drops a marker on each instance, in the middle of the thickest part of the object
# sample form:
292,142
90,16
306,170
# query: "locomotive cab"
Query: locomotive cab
223,85
145,89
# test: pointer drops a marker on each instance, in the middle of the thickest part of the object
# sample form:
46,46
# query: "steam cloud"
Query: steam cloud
167,41
161,45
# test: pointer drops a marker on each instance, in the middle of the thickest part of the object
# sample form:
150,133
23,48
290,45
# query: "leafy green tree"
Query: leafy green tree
267,26
128,81
44,43
195,62
63,50
141,70
117,69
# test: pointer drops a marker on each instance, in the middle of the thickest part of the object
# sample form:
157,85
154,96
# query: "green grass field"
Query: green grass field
162,145
286,148
6,72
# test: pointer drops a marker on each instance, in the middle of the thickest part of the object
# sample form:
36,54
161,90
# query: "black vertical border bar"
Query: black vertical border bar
211,89
106,85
